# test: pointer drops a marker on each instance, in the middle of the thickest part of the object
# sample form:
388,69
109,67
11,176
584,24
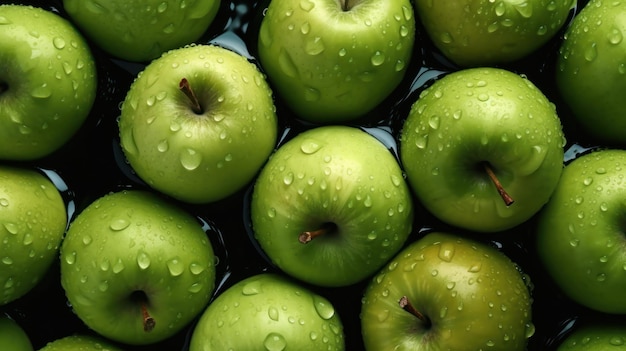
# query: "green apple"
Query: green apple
198,123
591,72
447,292
33,220
335,60
331,206
79,342
135,268
140,31
268,312
12,336
47,82
580,239
482,149
488,32
598,336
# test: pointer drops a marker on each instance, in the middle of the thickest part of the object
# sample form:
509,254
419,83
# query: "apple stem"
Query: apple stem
346,5
508,200
406,305
148,321
307,236
185,87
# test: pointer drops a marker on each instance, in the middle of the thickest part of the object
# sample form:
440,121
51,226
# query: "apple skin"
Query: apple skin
485,32
132,248
268,311
476,116
140,31
12,336
580,231
598,336
474,296
80,342
326,175
590,71
47,82
198,157
332,65
34,219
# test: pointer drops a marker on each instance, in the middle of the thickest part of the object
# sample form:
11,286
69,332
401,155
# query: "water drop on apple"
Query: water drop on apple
143,260
323,307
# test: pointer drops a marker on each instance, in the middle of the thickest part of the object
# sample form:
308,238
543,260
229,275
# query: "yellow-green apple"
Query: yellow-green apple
580,236
448,292
482,149
12,336
140,31
198,123
136,268
335,60
590,72
34,219
47,82
331,206
605,335
268,312
80,342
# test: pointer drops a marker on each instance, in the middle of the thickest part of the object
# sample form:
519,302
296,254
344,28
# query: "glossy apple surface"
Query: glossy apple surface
345,189
47,82
465,295
268,312
596,336
34,218
202,153
487,32
135,268
580,237
333,61
12,336
590,70
140,31
480,118
80,342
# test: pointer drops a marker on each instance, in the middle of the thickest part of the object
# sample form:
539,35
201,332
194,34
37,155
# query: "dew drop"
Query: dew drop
195,288
251,288
175,267
591,52
196,268
475,268
273,313
11,227
446,252
323,307
310,146
143,260
119,224
190,159
87,240
7,260
118,266
42,92
378,58
274,342
314,46
70,258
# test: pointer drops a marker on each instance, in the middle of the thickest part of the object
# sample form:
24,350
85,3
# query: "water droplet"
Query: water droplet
307,5
143,260
70,258
190,159
175,266
530,330
617,341
196,268
273,313
11,227
378,58
4,202
446,252
274,342
310,146
323,307
58,43
42,92
163,145
288,178
591,52
119,224
314,46
251,288
475,268
7,260
195,288
87,240
118,266
286,64
311,94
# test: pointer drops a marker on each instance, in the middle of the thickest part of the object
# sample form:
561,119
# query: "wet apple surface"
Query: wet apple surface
93,164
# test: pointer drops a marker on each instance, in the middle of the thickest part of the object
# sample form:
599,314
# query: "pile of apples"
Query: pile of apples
312,175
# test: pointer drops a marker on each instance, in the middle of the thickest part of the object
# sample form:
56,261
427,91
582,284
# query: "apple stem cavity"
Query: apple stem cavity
148,321
325,229
185,87
508,200
3,87
346,5
406,305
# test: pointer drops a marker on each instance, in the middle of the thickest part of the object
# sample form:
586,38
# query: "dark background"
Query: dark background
92,164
